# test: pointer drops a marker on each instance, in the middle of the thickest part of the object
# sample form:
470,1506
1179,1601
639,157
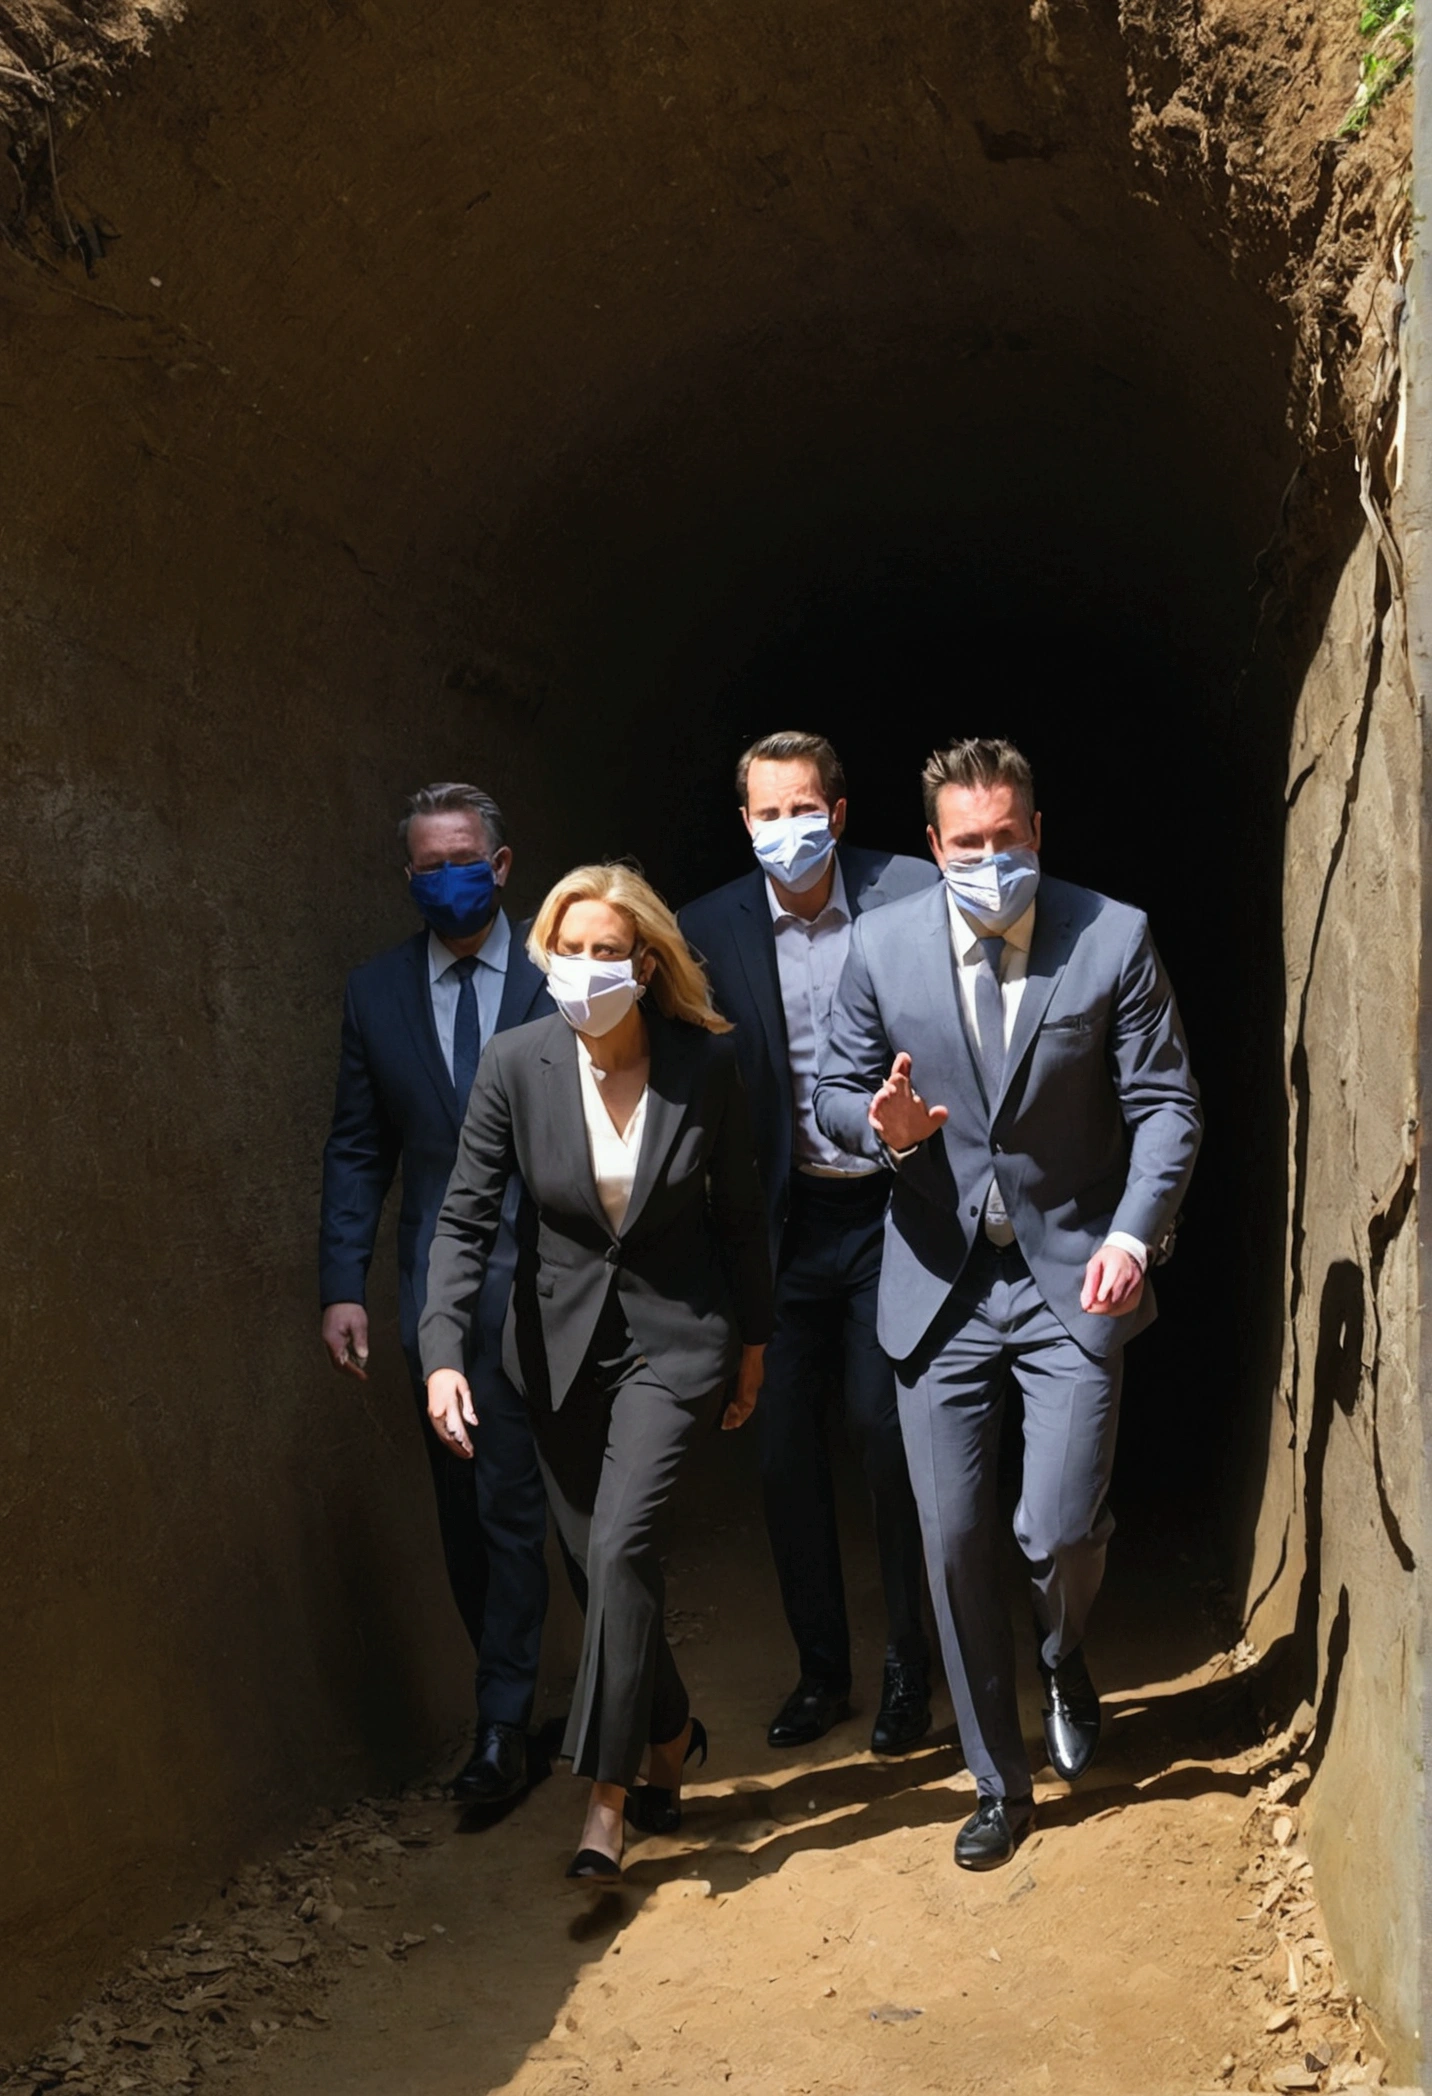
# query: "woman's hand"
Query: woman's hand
748,1388
449,1405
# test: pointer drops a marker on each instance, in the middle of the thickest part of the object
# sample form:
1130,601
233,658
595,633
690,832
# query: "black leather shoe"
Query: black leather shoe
496,1769
1071,1715
808,1713
904,1713
991,1836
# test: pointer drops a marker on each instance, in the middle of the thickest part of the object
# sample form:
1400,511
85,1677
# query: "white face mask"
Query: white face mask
592,996
794,850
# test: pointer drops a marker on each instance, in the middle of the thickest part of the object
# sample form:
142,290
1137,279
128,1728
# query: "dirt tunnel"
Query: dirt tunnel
561,400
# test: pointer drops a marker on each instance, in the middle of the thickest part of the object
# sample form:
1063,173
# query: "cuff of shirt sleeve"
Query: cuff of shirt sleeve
1132,1245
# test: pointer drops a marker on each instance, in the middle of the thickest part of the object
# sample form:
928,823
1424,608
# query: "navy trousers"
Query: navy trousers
492,1514
824,1343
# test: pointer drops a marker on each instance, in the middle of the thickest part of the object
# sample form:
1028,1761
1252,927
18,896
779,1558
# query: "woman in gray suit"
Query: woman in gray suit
643,1285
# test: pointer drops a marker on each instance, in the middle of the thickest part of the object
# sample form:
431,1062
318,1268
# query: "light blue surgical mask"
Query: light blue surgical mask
794,850
994,893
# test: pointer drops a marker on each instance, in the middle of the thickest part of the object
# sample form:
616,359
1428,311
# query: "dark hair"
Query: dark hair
977,761
781,749
450,799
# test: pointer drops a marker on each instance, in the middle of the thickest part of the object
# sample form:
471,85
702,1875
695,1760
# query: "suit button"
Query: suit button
974,1211
613,1254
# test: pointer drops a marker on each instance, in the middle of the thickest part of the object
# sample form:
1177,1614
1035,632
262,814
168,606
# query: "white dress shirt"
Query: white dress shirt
614,1157
489,979
809,958
1013,969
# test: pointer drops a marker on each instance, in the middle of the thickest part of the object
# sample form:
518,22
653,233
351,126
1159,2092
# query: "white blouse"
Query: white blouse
614,1157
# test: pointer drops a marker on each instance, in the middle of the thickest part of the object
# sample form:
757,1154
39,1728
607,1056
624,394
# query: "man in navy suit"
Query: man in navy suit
775,942
415,1021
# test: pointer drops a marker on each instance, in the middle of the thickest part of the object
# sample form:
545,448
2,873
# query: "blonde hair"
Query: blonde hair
679,982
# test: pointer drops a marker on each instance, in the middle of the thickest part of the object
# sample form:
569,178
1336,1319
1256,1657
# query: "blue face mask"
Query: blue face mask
994,893
456,900
795,850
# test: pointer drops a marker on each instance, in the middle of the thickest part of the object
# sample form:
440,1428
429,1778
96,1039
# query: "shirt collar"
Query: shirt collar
967,936
495,949
838,906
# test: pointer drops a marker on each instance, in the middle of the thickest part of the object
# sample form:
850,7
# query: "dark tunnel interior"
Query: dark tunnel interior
1090,589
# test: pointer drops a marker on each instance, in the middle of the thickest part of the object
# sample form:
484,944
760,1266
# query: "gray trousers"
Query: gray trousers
951,1395
609,1457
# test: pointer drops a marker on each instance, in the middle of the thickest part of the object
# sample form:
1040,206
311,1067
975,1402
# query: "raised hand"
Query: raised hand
899,1115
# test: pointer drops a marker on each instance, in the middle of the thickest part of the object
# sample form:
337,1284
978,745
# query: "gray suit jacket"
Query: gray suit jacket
1095,1128
690,1263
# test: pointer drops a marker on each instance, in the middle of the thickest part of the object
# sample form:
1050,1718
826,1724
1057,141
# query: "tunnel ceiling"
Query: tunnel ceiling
599,336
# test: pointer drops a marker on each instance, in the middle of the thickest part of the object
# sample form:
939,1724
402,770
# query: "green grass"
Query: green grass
1388,58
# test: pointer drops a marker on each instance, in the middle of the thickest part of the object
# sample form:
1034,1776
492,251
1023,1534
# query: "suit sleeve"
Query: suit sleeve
855,1064
469,1220
738,1214
359,1160
1148,1058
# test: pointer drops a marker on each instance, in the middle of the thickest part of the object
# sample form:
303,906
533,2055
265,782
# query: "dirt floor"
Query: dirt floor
807,1930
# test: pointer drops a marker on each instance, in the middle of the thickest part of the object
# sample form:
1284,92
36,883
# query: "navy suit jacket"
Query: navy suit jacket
396,1104
732,931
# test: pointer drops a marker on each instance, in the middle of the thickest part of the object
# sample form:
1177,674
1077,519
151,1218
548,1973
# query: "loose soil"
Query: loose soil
807,1930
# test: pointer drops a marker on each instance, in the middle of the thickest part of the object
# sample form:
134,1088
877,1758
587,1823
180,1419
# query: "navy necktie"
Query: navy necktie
989,1013
466,1036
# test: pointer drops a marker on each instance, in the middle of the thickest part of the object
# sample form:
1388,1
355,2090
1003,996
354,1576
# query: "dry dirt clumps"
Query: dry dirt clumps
206,1997
53,57
1239,107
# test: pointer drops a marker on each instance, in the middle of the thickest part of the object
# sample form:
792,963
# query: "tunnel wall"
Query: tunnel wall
453,400
1337,1585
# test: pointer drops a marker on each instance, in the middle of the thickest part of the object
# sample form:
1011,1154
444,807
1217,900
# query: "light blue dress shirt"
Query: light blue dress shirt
489,980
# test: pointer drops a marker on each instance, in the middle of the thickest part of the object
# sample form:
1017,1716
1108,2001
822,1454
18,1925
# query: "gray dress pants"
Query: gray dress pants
609,1458
951,1395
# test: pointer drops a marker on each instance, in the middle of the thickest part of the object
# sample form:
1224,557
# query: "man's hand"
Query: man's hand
899,1115
450,1409
748,1388
1113,1283
345,1334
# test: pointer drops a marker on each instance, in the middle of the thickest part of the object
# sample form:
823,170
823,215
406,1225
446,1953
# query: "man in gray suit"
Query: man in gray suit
1027,1203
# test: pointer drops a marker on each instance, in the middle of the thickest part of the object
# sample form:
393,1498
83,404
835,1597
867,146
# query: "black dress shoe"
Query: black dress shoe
496,1769
1071,1715
991,1836
904,1713
808,1713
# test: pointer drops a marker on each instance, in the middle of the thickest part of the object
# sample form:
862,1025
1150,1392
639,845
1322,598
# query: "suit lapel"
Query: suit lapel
1049,952
756,946
960,1077
418,1012
522,985
668,1094
568,1122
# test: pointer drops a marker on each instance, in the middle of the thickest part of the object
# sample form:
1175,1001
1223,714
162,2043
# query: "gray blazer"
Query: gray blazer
690,1264
1095,1128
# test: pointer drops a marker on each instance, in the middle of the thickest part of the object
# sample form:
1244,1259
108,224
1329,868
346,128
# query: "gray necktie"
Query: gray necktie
989,1016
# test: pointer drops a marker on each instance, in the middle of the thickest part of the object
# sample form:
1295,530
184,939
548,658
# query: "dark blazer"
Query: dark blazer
689,1265
731,930
396,1103
1095,1127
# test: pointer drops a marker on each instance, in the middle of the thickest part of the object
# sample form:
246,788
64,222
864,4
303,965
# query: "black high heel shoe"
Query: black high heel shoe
592,1867
652,1808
